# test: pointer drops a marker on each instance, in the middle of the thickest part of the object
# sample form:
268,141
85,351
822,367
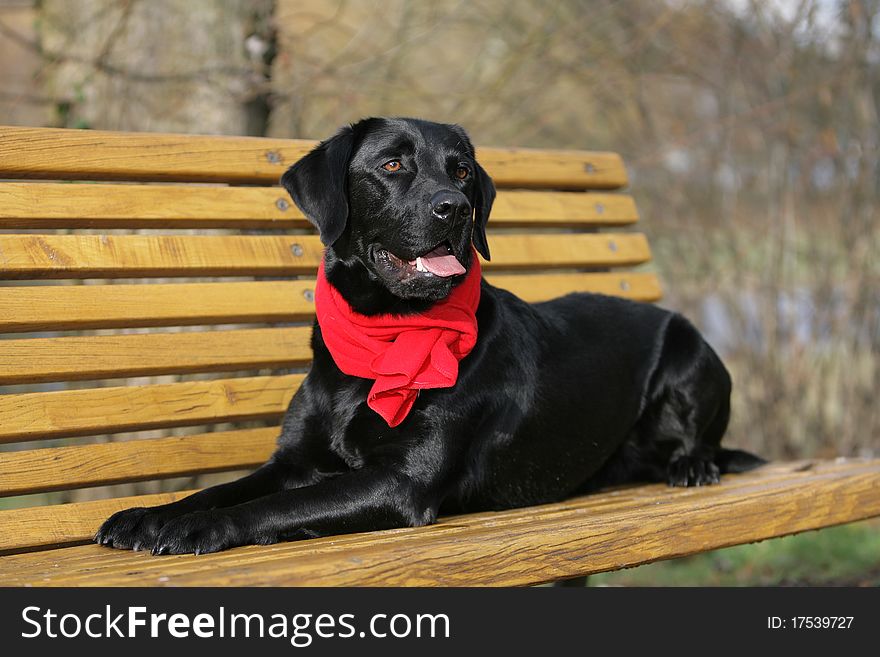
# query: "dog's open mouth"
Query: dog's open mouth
439,261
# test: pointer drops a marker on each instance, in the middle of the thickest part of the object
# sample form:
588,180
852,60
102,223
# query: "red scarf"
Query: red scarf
403,353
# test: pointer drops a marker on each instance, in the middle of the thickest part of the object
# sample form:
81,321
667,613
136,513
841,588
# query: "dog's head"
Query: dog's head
398,202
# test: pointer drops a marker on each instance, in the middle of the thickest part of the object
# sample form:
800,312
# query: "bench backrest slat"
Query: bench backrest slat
52,154
139,256
91,357
79,466
119,205
245,347
78,307
34,416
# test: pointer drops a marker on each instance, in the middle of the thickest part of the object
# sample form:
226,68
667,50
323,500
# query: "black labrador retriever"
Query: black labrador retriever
553,399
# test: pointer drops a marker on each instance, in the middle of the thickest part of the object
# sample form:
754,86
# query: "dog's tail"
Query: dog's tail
736,460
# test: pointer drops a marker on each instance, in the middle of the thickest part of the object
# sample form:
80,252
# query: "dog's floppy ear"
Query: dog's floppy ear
483,199
318,184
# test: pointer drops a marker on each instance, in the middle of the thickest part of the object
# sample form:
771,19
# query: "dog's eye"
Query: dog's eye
393,165
462,172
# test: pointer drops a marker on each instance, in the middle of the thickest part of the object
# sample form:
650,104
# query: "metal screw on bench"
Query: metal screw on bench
274,157
624,285
282,204
589,168
599,208
309,295
296,249
612,245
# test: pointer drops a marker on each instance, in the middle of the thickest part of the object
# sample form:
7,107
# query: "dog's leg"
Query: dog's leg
699,426
302,460
137,528
690,408
362,500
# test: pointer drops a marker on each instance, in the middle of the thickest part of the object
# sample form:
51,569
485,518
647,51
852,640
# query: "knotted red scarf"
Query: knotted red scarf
403,353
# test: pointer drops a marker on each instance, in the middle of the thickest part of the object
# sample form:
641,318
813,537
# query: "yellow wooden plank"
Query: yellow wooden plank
61,468
77,522
108,256
70,307
86,205
541,209
553,169
543,287
53,153
42,415
111,356
582,536
61,524
524,251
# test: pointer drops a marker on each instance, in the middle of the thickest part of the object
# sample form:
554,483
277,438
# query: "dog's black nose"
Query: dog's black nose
447,205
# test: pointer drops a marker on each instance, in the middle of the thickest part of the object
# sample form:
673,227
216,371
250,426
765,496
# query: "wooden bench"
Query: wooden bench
248,326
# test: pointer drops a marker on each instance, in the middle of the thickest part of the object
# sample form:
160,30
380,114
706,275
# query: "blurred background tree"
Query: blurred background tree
750,129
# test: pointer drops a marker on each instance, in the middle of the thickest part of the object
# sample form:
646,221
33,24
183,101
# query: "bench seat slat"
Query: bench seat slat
65,154
84,205
124,256
586,535
72,307
62,468
94,411
77,522
111,356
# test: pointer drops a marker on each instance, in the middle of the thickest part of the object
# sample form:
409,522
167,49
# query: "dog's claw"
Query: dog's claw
198,533
689,470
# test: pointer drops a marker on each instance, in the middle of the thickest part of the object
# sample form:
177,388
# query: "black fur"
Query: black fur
556,398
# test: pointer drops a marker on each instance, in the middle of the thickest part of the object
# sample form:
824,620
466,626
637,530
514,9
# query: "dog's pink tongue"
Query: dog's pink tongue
442,263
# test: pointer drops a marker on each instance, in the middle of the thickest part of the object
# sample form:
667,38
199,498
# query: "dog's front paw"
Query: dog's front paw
132,529
199,533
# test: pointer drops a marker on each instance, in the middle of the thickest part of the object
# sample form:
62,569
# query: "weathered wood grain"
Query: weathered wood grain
110,356
80,466
585,535
73,307
96,155
93,411
62,524
76,307
562,209
88,205
65,524
542,287
85,205
132,256
115,256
